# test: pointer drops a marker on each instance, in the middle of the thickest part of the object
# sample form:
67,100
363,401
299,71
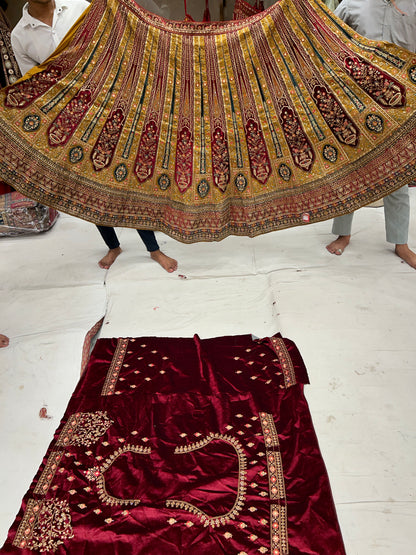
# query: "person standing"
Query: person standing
392,21
43,25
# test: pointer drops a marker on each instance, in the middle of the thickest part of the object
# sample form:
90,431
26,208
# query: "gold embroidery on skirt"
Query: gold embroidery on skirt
203,130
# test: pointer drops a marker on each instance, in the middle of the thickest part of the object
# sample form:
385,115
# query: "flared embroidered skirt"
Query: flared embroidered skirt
198,130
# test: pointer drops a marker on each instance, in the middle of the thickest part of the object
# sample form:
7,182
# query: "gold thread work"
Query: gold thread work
241,488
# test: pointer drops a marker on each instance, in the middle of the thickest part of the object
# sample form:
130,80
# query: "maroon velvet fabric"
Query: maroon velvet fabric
4,188
184,446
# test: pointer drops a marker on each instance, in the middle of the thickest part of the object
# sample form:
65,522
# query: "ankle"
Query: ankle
401,247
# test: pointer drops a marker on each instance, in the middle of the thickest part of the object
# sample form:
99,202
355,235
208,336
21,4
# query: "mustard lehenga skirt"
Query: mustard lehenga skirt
202,130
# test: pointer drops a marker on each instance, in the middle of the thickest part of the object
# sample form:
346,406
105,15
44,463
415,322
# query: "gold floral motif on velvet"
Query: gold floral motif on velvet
84,428
46,525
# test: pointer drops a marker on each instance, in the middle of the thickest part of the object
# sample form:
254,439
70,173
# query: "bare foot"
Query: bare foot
167,263
109,258
4,340
337,247
406,254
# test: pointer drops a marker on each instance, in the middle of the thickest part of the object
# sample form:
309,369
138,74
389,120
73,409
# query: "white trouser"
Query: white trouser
396,215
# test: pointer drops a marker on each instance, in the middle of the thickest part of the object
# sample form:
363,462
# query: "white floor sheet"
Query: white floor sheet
352,317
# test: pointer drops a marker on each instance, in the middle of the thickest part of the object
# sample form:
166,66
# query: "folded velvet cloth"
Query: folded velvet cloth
203,130
183,446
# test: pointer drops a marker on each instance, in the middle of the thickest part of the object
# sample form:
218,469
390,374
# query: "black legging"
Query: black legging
111,240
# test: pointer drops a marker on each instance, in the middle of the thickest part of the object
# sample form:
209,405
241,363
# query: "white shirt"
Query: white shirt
33,41
380,20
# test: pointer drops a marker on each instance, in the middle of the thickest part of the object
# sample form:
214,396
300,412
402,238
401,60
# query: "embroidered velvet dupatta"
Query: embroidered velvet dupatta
202,130
183,446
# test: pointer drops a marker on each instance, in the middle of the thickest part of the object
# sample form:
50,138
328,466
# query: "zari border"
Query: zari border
241,488
278,530
48,473
45,525
274,459
115,367
278,512
285,361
